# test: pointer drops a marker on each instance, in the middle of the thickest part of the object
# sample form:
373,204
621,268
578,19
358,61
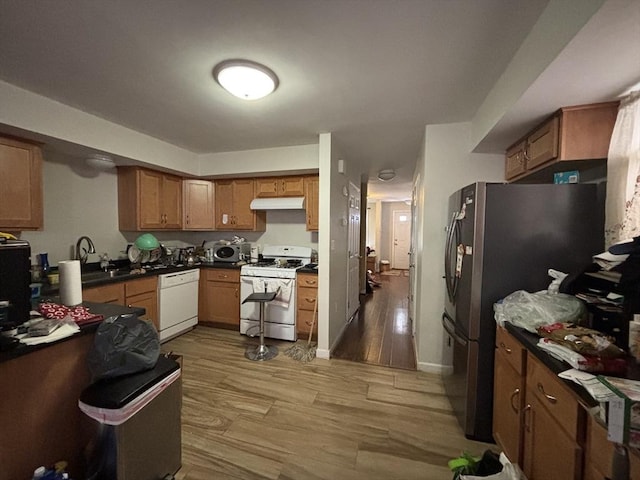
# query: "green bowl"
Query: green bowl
146,241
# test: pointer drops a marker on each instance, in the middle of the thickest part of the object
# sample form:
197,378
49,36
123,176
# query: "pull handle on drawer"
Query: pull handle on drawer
550,398
505,348
515,393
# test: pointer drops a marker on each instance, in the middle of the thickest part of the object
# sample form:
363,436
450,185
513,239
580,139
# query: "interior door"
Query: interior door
353,241
401,239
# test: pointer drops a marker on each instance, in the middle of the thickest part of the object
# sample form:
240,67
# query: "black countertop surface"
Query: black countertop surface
105,309
530,341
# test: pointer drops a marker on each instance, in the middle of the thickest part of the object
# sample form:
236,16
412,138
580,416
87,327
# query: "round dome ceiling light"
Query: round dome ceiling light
245,79
386,175
100,161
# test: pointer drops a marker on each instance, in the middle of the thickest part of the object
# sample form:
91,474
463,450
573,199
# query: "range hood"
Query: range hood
278,203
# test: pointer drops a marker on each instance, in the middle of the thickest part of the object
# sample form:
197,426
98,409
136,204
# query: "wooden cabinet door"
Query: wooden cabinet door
549,452
198,205
508,402
542,145
148,301
171,202
150,199
267,187
224,204
515,161
222,304
312,195
21,204
243,194
111,293
291,186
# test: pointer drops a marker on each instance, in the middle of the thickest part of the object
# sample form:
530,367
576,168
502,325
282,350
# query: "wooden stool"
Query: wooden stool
262,352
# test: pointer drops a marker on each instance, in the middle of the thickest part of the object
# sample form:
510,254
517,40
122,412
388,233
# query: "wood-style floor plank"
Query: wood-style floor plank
322,420
381,333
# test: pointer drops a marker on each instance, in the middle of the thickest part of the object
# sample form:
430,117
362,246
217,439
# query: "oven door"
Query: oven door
276,311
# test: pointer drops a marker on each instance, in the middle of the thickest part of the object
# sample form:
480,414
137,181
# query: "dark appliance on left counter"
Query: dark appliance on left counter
15,277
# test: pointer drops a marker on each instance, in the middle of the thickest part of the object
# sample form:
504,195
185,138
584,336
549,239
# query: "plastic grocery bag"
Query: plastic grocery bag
509,472
123,344
532,310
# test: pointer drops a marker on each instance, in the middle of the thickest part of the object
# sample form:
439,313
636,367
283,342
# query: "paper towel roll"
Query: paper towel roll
70,282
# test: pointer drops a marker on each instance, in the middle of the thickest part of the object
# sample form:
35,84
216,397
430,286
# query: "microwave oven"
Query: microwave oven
15,277
231,253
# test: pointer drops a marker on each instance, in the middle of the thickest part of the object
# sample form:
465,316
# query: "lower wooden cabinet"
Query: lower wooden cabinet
599,454
219,298
141,292
306,299
509,395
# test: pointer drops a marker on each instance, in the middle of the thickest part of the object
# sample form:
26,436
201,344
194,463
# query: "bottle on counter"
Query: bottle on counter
44,263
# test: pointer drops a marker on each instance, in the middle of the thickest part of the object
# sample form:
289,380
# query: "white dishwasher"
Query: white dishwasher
177,302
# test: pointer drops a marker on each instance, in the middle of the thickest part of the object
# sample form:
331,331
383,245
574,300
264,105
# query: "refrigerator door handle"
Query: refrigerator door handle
451,279
449,326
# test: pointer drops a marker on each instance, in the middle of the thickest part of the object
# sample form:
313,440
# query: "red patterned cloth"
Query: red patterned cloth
81,315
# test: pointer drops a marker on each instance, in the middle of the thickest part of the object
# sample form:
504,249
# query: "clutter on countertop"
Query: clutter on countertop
532,310
79,314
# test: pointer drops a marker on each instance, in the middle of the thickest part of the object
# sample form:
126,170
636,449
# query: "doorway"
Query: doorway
381,332
401,239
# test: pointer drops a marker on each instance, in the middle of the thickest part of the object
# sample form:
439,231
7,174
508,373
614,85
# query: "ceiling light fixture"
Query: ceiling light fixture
386,175
100,161
245,79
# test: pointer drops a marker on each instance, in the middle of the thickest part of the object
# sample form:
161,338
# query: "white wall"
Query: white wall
292,159
446,165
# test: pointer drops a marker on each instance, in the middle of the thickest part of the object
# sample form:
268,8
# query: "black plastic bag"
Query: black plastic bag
123,344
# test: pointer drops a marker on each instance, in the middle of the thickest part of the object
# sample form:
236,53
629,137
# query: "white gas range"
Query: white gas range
275,272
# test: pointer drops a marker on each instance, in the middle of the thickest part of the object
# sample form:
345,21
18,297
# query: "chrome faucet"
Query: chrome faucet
83,257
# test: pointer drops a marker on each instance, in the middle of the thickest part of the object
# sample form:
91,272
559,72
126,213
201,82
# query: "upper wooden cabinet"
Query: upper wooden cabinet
572,134
292,186
232,205
20,185
148,200
312,195
198,205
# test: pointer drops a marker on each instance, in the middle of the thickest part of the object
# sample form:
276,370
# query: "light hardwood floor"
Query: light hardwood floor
326,419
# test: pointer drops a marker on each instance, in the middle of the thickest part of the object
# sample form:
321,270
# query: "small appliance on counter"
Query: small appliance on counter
225,252
15,280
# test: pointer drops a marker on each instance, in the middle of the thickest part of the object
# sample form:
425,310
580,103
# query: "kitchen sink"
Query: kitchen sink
101,275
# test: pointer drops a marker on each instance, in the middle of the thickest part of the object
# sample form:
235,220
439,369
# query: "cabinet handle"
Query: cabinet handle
527,425
284,189
236,292
515,393
551,398
310,300
525,152
187,219
310,282
505,348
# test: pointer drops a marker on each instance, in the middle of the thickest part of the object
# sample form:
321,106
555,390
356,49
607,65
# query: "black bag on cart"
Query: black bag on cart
123,344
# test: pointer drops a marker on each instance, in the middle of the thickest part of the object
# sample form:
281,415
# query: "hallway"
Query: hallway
380,333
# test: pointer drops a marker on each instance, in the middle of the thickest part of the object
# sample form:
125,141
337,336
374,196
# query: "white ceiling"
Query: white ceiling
372,72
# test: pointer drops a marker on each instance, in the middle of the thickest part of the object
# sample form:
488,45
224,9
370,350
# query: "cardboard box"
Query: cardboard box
623,416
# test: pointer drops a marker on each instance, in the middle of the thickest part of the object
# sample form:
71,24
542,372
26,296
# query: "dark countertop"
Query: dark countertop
96,278
530,341
307,270
105,309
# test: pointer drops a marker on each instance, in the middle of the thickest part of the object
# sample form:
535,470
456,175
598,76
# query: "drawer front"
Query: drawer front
142,285
513,350
307,298
111,293
553,395
221,275
310,281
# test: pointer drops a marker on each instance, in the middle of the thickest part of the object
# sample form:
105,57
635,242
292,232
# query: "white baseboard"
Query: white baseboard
323,353
443,370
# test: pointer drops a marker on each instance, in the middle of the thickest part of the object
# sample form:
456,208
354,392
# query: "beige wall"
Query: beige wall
446,165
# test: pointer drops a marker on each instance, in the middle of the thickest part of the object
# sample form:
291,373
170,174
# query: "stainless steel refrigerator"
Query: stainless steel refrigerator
502,238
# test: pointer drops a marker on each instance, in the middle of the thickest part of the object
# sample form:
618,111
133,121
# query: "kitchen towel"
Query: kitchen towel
70,282
281,286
